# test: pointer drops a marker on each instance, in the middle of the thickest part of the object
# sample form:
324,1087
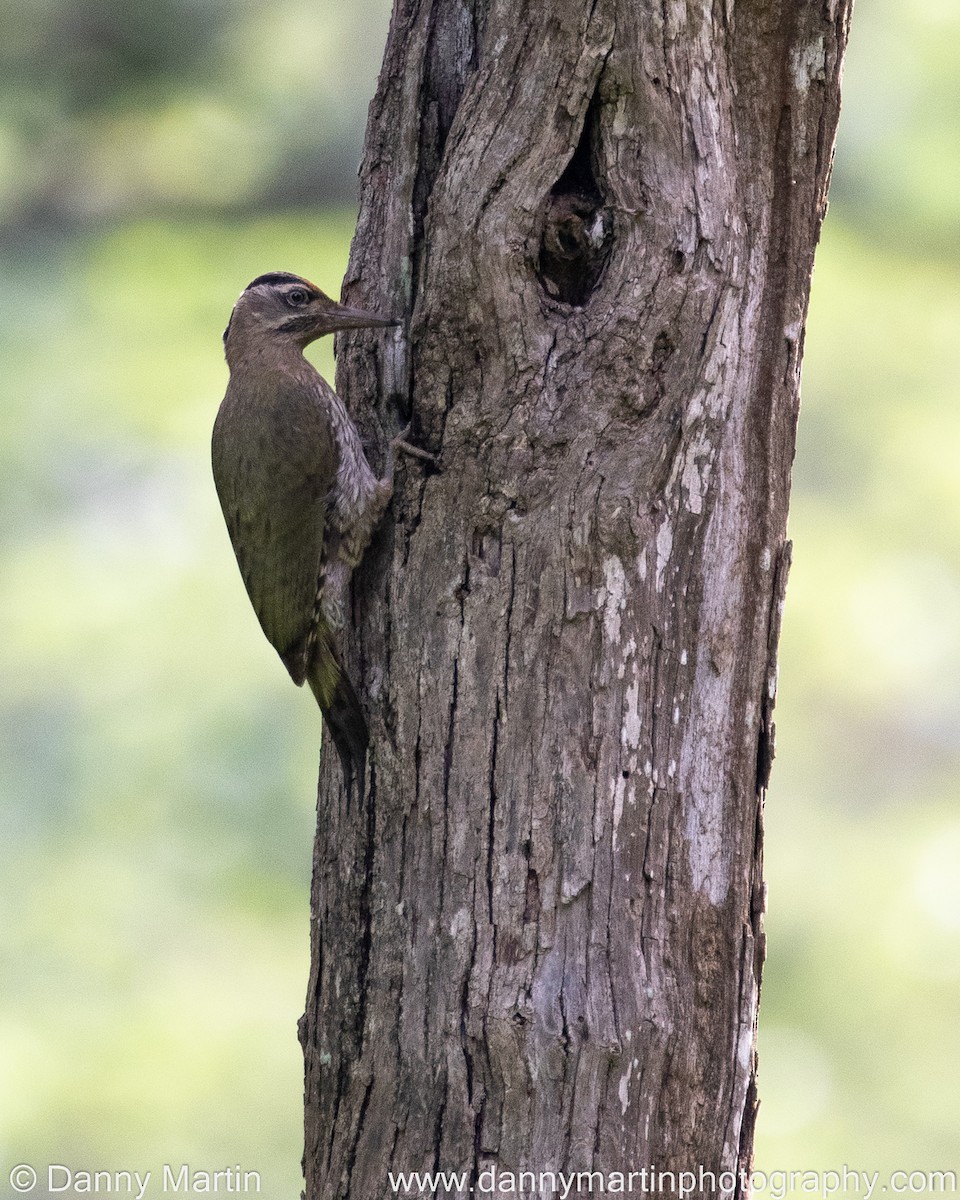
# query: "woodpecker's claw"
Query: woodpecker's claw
400,443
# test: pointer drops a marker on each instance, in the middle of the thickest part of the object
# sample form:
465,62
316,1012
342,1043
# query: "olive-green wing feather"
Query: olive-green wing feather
274,465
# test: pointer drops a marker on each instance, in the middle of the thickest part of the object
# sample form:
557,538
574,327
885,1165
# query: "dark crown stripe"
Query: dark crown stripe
274,277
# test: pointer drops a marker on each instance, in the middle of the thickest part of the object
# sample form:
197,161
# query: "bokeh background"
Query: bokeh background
157,771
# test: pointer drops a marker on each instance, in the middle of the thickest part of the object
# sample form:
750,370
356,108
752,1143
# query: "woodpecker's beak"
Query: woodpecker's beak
342,317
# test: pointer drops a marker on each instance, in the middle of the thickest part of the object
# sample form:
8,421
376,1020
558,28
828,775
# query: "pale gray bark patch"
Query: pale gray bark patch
537,942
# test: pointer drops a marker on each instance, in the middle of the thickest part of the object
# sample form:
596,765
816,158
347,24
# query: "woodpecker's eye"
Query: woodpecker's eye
298,297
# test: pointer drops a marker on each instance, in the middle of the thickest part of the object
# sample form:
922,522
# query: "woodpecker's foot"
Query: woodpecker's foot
400,443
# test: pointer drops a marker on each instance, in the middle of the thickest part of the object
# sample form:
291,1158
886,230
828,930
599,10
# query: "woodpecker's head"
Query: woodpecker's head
284,308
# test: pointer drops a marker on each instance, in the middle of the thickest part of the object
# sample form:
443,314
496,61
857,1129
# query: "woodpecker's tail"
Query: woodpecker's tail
340,706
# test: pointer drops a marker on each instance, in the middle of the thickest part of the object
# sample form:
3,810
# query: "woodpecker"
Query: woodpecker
300,500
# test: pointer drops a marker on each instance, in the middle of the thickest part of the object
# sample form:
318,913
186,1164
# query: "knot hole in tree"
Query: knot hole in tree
577,224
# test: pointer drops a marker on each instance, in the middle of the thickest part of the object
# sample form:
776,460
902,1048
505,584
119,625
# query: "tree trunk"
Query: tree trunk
536,935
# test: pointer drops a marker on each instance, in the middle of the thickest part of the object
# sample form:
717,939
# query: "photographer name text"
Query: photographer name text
60,1179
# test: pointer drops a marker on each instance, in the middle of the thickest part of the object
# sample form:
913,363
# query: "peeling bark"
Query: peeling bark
537,936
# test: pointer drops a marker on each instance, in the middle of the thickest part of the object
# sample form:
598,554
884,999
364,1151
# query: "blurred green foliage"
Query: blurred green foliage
859,1040
859,1043
115,108
157,770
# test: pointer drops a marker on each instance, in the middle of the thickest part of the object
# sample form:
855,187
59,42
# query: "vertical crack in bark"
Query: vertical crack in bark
473,1083
745,1149
570,1057
366,907
477,1146
508,629
608,947
780,243
451,721
355,1142
648,874
655,694
464,1020
492,808
451,57
438,1133
766,734
413,521
402,872
711,320
747,1009
447,770
418,746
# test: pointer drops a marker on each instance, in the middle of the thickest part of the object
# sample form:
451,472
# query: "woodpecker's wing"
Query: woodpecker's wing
274,465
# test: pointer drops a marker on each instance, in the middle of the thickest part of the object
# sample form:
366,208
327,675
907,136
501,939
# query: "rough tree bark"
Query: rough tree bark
537,937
